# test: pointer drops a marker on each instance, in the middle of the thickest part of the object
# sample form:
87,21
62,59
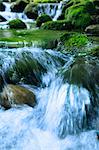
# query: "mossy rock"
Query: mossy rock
16,95
2,7
19,6
17,24
80,73
26,70
78,16
42,19
76,40
31,11
75,43
57,25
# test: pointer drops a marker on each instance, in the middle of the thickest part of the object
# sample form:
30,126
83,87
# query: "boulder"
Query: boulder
26,70
2,7
78,16
2,19
93,29
16,95
17,24
57,25
42,19
19,6
31,11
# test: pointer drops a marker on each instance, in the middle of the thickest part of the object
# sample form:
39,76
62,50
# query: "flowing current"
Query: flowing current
58,121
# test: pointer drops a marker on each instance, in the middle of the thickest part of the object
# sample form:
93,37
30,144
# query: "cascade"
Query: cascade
59,121
49,9
52,9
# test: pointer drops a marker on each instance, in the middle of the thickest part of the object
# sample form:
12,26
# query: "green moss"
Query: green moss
57,25
76,40
42,19
16,24
78,16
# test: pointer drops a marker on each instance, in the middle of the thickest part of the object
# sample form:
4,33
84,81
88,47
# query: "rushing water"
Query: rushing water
59,120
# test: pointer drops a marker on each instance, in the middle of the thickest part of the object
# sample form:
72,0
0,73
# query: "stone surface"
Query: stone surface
93,29
16,95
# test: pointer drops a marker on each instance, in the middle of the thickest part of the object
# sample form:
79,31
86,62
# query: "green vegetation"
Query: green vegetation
75,43
78,16
17,24
57,25
76,40
42,19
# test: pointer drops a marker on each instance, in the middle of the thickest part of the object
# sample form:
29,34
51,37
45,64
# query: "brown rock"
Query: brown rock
15,94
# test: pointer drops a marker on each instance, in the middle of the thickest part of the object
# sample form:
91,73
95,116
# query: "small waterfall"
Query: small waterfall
49,9
7,6
54,10
59,11
8,15
65,108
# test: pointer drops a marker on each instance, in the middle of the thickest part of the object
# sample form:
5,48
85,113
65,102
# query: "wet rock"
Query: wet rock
19,6
26,70
80,73
15,94
31,11
93,29
2,19
42,19
2,7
